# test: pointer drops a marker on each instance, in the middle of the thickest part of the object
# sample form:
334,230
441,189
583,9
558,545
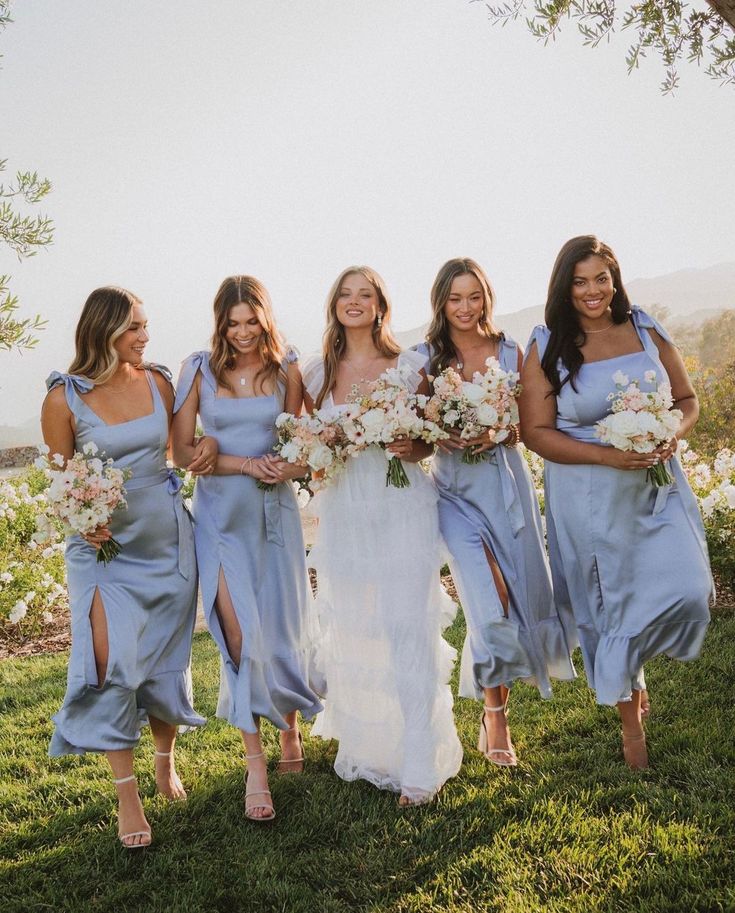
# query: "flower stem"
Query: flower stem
396,475
108,550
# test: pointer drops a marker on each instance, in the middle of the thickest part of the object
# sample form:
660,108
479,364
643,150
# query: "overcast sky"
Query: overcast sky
290,138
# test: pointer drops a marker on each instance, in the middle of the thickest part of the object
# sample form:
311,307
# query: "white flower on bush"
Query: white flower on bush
47,618
6,577
19,611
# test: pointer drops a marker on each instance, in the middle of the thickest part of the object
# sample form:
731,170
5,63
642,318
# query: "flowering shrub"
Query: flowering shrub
713,482
32,577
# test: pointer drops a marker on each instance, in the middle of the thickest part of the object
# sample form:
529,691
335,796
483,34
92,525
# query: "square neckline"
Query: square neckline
155,400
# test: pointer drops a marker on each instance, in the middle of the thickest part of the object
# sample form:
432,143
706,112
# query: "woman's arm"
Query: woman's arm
682,392
57,424
537,405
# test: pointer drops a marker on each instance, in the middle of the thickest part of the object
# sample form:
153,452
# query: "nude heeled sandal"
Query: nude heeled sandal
482,742
123,837
258,792
300,760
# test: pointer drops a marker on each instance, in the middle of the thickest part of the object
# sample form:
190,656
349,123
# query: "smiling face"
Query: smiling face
130,346
592,289
243,329
466,302
357,303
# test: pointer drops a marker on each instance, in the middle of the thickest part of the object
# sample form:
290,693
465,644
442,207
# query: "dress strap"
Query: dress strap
644,322
539,335
149,367
74,385
507,353
196,362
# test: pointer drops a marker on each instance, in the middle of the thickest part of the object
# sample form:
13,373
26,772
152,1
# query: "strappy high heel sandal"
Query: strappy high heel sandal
123,837
284,765
169,754
258,792
510,759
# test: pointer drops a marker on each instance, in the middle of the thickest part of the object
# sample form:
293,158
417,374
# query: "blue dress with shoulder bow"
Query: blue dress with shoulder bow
628,558
493,505
148,590
254,537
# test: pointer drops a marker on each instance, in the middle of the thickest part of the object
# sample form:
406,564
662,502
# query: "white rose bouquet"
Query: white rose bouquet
641,421
487,403
315,442
82,494
388,412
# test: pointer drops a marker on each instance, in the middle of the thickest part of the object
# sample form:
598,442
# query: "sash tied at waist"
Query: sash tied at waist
174,482
509,488
272,510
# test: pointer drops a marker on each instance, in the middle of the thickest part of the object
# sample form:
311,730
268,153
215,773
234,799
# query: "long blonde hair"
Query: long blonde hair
106,315
236,290
437,336
334,342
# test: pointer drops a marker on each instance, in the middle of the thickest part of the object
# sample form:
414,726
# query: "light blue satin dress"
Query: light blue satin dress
493,504
628,558
255,537
148,591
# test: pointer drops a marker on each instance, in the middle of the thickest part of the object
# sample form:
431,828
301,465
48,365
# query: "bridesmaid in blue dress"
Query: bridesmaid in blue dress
630,559
249,542
132,620
490,521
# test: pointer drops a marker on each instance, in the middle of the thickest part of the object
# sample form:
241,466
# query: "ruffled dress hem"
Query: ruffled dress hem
110,718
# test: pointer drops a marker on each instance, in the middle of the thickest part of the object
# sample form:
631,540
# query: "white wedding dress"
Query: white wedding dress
380,610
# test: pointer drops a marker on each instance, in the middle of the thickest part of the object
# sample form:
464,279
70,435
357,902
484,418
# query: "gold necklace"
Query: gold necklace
604,329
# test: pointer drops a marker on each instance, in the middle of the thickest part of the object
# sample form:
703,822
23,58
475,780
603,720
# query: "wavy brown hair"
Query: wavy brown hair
567,336
106,315
334,342
236,290
437,336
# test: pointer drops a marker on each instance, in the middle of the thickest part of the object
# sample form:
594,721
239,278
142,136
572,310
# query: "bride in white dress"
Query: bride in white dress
381,606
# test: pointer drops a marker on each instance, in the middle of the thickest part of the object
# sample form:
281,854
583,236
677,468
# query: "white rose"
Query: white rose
473,393
623,423
486,415
320,456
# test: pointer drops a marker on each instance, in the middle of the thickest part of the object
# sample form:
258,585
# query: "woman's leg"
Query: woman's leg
257,796
167,780
130,815
131,818
499,744
292,751
634,738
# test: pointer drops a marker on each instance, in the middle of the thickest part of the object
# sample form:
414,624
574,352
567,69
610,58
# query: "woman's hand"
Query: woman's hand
481,443
261,469
204,460
453,442
667,450
97,537
284,470
628,459
402,448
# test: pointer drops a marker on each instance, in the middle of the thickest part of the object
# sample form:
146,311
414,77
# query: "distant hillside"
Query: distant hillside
691,295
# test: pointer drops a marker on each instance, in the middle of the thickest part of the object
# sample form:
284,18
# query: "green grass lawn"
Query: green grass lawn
570,829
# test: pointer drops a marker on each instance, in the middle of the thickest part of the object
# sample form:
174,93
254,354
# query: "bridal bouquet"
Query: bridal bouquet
388,412
315,442
83,494
640,421
485,404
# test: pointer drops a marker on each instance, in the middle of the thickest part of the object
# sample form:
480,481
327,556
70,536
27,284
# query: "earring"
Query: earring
615,291
380,319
